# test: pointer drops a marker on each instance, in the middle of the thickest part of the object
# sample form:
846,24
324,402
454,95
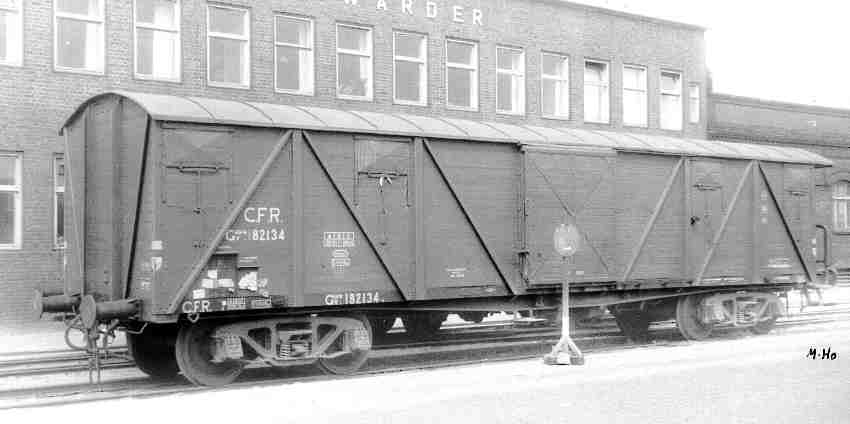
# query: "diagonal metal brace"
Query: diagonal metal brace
285,139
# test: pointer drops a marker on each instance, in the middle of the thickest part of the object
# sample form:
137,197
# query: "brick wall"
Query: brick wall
34,98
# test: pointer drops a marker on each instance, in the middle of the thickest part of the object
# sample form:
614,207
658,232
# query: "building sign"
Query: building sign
429,9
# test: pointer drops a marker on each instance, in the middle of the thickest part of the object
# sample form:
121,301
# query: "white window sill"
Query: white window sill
98,73
509,113
462,108
229,85
409,103
294,92
556,117
355,98
143,77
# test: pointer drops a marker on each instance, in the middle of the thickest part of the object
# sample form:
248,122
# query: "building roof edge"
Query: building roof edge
624,14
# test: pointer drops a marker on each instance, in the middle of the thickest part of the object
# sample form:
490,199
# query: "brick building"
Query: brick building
544,62
822,130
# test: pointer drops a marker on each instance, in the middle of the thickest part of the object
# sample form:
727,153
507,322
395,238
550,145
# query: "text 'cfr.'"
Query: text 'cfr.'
261,214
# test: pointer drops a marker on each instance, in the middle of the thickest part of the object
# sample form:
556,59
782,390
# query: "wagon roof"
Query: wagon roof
231,112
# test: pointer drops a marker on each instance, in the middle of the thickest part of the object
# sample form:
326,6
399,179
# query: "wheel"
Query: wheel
472,316
687,319
766,326
423,325
193,350
634,324
350,362
153,351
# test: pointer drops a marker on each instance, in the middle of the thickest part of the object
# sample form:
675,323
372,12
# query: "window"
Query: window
693,103
410,68
78,35
10,201
554,85
634,96
157,39
11,32
510,86
354,62
461,75
841,206
228,47
59,201
671,100
596,92
293,50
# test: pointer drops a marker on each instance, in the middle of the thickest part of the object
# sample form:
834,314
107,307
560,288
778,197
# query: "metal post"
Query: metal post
565,352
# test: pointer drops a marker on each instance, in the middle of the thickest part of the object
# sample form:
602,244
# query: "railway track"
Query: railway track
458,345
67,360
452,337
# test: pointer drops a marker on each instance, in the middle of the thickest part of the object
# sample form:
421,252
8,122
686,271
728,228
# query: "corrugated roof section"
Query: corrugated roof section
477,129
288,116
230,112
435,126
164,107
339,119
387,122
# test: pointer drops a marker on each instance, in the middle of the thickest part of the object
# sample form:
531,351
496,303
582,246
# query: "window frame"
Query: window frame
474,95
561,79
694,114
421,61
56,190
517,77
370,87
840,201
83,18
17,189
662,92
309,46
178,30
246,85
606,84
645,118
19,11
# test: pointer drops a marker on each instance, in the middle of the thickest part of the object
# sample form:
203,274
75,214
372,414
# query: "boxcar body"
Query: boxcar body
203,208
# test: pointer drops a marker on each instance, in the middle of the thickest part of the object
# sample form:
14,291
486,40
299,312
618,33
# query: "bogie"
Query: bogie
698,314
214,354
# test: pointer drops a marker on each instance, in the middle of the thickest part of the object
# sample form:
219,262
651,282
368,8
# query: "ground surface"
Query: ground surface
738,379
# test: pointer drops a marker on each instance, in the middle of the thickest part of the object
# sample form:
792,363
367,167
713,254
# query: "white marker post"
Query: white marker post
565,352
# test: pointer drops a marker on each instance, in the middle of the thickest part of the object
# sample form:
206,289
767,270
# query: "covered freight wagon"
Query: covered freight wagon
221,232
